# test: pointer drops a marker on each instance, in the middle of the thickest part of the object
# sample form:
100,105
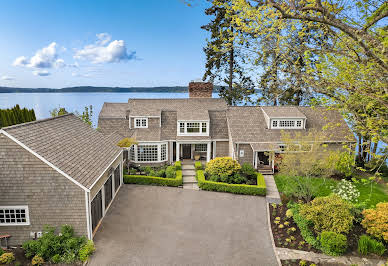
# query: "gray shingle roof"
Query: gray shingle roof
71,145
247,124
113,110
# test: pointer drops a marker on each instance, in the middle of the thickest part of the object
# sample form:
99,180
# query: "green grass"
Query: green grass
378,192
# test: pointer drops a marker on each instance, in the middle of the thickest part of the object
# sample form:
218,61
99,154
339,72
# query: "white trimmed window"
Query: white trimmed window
141,122
147,153
14,215
200,147
163,152
132,153
193,128
287,123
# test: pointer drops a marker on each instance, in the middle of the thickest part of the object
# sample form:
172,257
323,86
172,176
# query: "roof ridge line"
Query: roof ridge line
36,121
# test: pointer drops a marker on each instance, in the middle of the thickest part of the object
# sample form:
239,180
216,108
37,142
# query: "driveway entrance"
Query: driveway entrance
150,225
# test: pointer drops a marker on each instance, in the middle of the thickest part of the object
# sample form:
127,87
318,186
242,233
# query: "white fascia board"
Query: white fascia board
44,160
88,215
106,169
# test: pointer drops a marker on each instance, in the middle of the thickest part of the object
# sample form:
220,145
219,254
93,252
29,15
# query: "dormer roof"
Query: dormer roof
283,112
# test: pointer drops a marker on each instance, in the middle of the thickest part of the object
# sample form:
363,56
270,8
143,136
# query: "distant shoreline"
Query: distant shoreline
89,89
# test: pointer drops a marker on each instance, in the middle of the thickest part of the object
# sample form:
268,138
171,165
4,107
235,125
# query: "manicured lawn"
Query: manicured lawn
378,192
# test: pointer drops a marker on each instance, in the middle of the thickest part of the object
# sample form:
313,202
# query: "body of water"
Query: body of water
42,103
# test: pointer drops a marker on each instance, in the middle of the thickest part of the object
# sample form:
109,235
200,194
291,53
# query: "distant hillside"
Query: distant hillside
96,89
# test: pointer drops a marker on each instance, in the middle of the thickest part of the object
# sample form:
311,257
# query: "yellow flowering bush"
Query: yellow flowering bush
376,221
329,213
222,166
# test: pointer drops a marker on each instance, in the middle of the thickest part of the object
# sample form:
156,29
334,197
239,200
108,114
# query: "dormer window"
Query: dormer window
189,128
287,124
141,122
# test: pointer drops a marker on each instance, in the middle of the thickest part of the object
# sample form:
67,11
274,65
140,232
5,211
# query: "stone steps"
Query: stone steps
189,179
188,167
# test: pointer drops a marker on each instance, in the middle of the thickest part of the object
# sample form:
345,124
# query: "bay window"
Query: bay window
148,152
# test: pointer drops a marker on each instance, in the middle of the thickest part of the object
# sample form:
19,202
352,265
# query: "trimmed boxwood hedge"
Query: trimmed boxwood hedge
154,180
259,189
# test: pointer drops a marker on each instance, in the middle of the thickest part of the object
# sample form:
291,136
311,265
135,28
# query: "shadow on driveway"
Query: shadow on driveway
150,225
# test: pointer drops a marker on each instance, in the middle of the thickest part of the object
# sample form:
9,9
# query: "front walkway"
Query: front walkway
272,190
151,225
188,173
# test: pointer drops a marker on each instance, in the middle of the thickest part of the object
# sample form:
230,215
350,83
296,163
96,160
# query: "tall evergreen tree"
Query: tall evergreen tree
224,62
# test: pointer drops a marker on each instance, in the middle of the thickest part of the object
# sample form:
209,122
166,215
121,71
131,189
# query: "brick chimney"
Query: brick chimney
199,89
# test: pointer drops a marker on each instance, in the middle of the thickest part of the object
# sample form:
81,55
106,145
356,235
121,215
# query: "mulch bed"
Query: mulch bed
285,232
21,260
285,238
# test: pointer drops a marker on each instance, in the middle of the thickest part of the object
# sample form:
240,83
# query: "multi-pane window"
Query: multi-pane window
287,123
163,152
193,127
132,153
201,128
141,122
306,147
204,127
14,215
200,147
147,153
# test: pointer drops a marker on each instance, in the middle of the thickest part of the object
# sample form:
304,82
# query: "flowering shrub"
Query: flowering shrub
376,221
347,191
222,166
7,258
329,213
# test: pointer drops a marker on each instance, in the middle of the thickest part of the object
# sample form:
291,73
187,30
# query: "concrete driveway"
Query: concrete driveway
150,225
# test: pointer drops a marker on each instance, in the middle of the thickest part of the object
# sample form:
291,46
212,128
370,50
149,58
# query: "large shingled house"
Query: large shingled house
56,171
170,130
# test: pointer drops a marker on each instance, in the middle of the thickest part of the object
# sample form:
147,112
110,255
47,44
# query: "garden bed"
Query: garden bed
175,181
282,236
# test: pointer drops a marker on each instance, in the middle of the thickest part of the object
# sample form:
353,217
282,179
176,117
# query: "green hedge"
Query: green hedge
153,180
259,189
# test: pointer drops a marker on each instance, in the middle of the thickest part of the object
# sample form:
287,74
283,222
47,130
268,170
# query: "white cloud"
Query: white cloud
104,51
41,73
47,57
20,61
7,78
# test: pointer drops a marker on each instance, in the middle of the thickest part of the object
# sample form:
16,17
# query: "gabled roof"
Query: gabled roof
113,110
75,149
248,125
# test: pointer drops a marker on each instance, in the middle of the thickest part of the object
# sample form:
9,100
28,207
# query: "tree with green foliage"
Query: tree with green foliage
16,115
58,111
224,61
87,115
344,53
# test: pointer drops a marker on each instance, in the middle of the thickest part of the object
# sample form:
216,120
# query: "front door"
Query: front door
263,159
186,151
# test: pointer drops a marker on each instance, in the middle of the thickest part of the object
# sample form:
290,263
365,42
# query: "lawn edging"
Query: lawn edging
155,180
256,190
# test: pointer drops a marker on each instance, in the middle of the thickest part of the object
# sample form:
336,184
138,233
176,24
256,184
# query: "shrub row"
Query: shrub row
304,226
154,180
259,189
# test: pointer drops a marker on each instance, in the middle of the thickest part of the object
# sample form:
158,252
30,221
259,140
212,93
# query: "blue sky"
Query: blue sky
101,43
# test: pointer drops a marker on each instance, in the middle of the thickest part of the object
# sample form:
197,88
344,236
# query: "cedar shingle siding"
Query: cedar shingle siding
52,198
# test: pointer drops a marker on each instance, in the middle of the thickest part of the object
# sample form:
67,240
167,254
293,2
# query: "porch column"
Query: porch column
177,151
208,151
